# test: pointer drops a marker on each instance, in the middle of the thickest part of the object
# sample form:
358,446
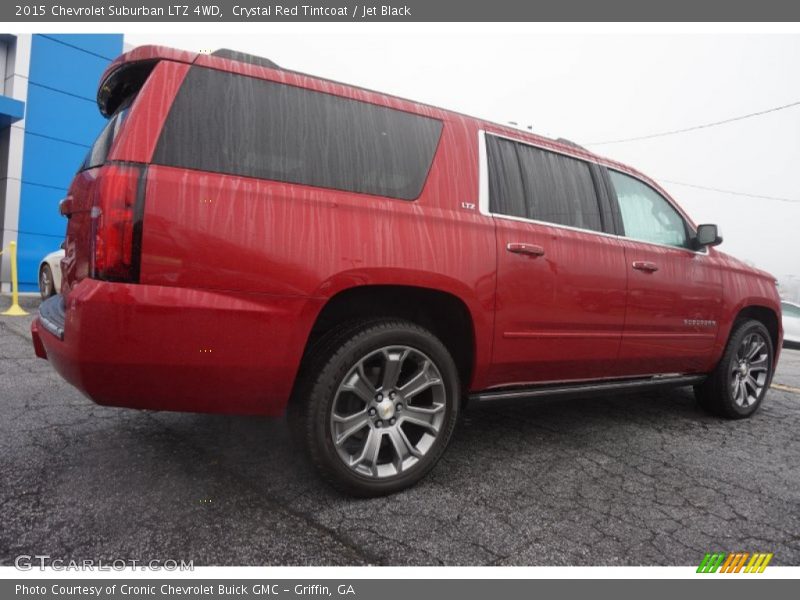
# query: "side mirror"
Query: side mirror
707,235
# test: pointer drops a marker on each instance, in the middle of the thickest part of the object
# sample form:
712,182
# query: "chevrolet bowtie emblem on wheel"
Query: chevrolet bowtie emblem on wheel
386,409
735,562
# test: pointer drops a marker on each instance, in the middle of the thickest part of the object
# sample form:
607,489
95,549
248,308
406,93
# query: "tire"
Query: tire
46,285
367,431
737,386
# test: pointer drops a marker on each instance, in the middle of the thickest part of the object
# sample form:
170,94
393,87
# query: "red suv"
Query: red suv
245,239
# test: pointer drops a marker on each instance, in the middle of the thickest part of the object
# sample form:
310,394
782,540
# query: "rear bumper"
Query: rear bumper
51,316
169,348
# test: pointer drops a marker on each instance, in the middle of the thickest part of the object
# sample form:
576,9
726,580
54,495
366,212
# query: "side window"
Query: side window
506,194
559,189
528,182
646,214
228,123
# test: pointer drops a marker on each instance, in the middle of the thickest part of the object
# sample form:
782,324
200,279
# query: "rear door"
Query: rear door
674,292
561,277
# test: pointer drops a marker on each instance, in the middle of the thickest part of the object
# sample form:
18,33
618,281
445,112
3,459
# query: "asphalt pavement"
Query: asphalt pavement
646,479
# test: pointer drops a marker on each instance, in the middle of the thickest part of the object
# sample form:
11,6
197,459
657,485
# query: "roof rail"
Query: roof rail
245,58
567,142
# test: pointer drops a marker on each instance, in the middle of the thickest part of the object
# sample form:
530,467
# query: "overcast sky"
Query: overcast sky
591,88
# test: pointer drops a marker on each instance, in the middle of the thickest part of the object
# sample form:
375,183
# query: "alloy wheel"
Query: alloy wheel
388,411
749,370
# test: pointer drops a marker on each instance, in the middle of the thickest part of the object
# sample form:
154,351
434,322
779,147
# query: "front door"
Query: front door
674,292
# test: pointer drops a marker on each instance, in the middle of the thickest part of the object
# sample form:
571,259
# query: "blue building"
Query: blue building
48,120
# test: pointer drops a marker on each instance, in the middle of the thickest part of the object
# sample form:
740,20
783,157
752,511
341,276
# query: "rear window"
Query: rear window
529,182
559,188
98,153
506,193
228,123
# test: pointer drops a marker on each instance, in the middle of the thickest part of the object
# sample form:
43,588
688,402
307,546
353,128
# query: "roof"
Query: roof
257,66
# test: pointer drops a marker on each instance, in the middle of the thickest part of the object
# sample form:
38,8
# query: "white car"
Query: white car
50,274
791,324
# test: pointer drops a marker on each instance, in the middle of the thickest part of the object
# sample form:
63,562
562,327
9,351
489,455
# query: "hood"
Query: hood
741,266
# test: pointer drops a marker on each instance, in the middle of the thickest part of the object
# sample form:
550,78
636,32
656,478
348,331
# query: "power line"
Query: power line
695,127
731,192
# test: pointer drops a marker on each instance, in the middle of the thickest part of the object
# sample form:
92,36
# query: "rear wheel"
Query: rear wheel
736,388
377,406
46,286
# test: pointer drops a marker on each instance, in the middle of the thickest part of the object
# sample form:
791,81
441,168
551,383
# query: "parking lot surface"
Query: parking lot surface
643,479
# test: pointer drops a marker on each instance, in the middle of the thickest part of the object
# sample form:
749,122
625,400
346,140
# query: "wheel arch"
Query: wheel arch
444,313
765,315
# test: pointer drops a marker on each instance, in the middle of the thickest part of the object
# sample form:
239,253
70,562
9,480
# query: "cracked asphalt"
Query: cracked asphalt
643,479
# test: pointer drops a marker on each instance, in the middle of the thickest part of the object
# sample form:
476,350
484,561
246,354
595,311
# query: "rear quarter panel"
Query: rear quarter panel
211,231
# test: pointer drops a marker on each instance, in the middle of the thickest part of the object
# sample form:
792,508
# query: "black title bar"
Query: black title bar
405,11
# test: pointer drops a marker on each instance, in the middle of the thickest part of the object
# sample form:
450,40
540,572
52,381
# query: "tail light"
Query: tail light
116,224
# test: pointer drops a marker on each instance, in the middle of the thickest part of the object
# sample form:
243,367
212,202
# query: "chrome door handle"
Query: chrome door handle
645,265
528,249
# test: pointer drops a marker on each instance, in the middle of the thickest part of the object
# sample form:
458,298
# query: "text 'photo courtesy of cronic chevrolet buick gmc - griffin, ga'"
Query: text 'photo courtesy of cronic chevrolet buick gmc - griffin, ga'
247,239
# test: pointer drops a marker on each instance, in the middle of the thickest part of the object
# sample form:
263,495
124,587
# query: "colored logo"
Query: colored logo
735,562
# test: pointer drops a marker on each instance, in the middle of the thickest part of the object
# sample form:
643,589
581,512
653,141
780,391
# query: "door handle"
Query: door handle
528,249
645,265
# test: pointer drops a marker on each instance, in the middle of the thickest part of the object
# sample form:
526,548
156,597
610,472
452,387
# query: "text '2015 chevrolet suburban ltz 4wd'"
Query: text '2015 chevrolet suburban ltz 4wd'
246,239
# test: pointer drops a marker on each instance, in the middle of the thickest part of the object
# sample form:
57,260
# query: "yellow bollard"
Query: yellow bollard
16,309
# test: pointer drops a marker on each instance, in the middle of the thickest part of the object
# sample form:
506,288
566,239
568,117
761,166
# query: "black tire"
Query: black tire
333,358
323,347
46,285
718,394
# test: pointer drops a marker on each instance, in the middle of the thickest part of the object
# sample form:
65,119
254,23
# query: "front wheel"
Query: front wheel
736,388
379,406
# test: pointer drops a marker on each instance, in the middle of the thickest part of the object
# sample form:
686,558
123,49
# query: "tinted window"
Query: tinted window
229,123
646,214
559,188
506,194
102,145
528,182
